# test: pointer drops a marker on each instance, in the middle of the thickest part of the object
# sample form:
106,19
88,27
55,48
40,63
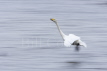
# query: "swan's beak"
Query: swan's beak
52,19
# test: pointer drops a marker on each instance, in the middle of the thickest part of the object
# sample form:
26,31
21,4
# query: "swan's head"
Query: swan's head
52,19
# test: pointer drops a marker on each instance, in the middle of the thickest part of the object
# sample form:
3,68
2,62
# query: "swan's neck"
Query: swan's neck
61,33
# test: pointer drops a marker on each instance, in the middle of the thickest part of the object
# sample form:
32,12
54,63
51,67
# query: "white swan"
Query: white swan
71,39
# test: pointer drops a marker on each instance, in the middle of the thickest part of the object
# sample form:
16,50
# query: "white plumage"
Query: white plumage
71,39
74,40
68,40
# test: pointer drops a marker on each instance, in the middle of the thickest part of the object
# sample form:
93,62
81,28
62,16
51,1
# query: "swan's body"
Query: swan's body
71,39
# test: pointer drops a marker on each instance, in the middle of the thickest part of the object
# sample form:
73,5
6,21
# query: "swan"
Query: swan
70,39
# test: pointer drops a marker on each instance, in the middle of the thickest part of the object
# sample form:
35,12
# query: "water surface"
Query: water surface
29,41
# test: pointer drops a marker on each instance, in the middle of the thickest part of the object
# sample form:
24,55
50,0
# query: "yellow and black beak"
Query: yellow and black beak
52,19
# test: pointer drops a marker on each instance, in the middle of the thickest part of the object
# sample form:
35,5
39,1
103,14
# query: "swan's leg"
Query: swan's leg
77,48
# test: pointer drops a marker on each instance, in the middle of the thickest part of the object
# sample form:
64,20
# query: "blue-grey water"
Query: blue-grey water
29,41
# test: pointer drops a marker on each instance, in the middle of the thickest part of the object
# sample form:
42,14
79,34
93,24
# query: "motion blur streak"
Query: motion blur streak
29,41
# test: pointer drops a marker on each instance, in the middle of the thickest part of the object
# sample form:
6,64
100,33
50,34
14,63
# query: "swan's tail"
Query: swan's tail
82,43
